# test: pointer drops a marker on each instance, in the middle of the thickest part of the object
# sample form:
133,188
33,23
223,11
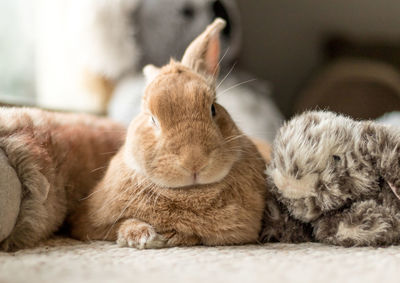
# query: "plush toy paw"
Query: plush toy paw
366,223
136,234
10,197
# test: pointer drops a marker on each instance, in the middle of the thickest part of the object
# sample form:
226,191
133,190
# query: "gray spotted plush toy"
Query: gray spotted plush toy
336,181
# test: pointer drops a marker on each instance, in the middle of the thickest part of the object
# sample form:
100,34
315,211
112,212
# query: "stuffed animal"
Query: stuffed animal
105,45
340,177
186,175
48,163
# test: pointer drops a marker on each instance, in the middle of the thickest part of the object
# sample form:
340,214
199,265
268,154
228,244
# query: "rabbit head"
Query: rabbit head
182,136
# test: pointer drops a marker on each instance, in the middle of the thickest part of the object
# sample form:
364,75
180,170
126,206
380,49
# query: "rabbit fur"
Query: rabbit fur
57,158
186,175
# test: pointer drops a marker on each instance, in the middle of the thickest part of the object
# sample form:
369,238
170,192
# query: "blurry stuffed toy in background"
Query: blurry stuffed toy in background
113,40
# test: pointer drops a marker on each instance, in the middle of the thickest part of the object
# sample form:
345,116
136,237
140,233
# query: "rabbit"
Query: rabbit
53,159
340,176
186,175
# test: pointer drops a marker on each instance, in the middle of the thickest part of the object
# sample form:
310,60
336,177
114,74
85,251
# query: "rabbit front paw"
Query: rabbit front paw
137,234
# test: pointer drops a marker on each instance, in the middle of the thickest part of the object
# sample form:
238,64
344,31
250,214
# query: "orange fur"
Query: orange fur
264,148
183,176
58,158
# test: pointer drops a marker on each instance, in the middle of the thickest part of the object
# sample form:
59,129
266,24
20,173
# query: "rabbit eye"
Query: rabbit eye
154,121
336,158
213,111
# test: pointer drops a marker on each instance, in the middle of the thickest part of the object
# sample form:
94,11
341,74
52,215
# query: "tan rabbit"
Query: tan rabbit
186,175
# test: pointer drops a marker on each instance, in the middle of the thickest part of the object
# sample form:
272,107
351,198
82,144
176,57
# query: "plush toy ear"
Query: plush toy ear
150,72
202,55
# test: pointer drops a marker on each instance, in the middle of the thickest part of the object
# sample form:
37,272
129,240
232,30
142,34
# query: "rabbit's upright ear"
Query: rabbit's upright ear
202,55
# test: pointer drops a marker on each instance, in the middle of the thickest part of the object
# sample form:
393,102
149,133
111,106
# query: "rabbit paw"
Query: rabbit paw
366,223
140,235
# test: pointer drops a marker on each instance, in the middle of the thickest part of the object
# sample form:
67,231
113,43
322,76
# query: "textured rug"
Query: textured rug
64,260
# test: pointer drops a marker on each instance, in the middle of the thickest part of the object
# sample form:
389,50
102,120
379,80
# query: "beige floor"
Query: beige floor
64,260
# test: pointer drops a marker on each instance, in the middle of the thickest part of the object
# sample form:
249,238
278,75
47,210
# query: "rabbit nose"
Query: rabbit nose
193,160
194,167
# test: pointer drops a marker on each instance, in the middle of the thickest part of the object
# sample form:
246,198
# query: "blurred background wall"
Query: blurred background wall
17,36
283,38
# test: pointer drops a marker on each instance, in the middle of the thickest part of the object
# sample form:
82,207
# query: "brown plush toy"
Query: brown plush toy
48,163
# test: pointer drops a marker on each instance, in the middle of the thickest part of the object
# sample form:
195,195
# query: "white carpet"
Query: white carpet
65,260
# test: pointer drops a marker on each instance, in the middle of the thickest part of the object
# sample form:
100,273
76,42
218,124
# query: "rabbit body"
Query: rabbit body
130,208
186,174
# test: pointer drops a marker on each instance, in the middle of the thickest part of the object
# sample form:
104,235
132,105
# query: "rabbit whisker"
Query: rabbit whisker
109,152
232,138
220,61
97,169
129,203
226,76
235,86
118,218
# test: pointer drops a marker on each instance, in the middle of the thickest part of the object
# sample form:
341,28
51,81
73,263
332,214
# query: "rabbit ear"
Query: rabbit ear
202,55
150,72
